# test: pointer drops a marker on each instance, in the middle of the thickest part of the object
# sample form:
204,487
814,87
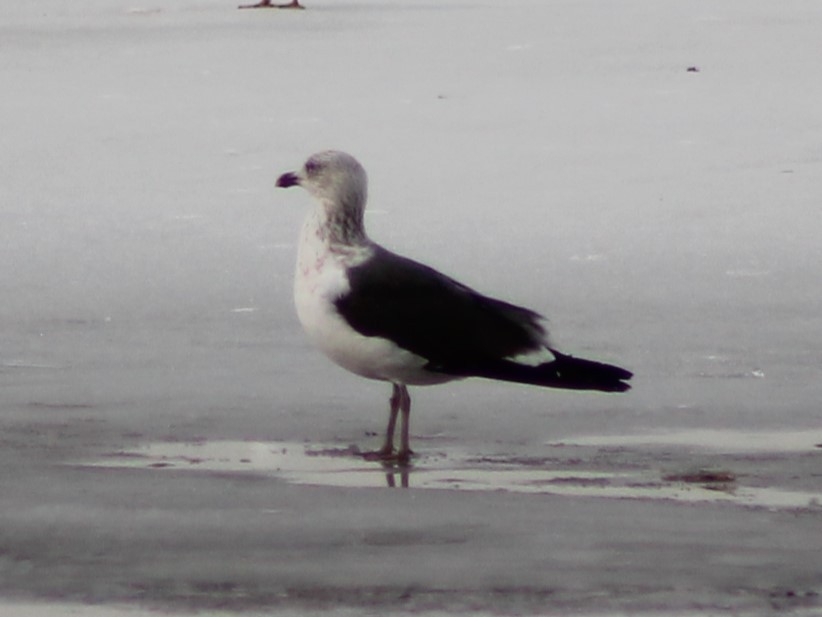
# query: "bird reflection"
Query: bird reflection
394,471
395,467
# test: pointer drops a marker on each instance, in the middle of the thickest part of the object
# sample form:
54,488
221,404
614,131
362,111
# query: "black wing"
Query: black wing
434,316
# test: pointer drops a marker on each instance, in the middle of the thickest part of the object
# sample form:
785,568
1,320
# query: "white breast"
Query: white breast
319,281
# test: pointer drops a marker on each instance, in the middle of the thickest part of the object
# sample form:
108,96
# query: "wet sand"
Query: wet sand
757,470
170,443
582,526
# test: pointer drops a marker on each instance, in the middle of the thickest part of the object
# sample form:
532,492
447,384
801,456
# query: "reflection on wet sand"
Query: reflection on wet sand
394,471
615,467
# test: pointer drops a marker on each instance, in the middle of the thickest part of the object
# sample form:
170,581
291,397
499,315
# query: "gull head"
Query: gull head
332,177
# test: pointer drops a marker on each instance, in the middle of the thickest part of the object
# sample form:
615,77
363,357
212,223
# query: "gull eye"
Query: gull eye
311,167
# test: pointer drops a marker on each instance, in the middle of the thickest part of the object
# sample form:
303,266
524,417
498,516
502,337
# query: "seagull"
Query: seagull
383,316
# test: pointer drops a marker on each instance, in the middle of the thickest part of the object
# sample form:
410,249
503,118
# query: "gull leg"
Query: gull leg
400,402
405,452
267,4
396,403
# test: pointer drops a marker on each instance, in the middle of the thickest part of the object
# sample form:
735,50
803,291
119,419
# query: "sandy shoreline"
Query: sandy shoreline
169,443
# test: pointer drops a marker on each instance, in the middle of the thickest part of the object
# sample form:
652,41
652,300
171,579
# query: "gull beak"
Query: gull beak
288,179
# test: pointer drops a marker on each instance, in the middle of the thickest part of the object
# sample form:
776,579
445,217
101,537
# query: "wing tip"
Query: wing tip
564,372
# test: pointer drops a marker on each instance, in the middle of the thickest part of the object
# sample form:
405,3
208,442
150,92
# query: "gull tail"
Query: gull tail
564,372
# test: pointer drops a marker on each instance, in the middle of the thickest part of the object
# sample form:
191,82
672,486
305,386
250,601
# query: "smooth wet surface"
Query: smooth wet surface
576,467
286,528
168,440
